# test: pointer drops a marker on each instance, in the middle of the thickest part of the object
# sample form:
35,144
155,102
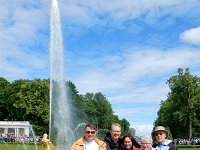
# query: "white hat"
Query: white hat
159,128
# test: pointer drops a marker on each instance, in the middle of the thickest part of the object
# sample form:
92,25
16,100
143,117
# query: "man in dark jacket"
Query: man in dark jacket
112,138
162,143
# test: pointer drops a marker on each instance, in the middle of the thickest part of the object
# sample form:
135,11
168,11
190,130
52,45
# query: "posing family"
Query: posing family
112,140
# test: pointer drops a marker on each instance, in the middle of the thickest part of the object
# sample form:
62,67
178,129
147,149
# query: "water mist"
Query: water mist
59,125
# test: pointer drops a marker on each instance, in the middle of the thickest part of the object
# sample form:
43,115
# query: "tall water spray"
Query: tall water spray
59,107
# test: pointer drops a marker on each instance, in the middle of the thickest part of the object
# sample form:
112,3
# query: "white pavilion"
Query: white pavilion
17,128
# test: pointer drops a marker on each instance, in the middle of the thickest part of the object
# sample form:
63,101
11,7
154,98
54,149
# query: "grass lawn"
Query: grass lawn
16,146
188,148
7,146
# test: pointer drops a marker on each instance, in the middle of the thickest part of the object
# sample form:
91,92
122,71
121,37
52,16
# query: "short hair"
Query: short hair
90,126
146,138
115,124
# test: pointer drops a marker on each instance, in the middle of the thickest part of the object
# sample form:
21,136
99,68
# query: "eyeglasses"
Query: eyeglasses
127,141
116,131
90,132
158,134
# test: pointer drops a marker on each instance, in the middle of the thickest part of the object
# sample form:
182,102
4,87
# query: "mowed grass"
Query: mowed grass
7,146
15,146
188,148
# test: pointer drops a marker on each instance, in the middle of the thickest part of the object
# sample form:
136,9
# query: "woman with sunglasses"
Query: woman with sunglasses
129,143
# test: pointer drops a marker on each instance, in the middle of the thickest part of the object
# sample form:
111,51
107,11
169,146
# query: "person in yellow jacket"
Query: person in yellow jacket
89,141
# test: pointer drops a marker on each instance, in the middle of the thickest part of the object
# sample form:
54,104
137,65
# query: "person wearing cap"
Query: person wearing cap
89,141
162,143
146,143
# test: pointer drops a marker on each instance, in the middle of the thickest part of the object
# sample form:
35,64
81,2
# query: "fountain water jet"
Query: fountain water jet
60,131
59,106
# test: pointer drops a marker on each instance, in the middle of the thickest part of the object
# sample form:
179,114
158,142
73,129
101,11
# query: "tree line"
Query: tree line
28,100
180,112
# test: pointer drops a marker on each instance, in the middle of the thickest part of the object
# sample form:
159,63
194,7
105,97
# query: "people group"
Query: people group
112,140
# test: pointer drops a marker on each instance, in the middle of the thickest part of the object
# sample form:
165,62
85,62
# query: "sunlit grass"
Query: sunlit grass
188,148
20,146
16,146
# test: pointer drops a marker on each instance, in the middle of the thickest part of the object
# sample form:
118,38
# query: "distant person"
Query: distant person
89,141
146,143
129,143
162,143
112,138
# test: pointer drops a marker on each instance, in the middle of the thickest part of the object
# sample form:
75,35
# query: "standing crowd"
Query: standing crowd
112,141
193,141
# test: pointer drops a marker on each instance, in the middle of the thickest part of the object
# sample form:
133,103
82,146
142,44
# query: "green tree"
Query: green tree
124,126
76,105
132,131
104,110
33,103
28,100
12,96
4,84
98,110
180,110
90,108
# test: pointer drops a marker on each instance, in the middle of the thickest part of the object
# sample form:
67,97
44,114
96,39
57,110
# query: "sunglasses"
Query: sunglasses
158,134
90,132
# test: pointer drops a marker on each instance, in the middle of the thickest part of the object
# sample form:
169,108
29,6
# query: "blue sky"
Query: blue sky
125,49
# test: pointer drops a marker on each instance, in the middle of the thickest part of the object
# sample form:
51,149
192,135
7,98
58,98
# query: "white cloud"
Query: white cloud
143,128
19,25
135,110
16,64
140,92
191,36
95,11
126,73
76,14
140,117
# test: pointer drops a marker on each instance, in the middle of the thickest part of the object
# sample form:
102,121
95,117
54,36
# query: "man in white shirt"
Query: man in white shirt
89,141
